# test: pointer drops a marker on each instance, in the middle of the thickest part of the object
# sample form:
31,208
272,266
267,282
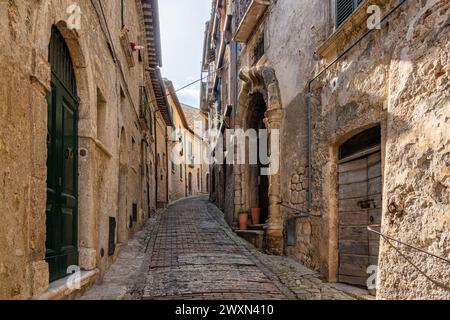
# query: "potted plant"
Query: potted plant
256,215
243,219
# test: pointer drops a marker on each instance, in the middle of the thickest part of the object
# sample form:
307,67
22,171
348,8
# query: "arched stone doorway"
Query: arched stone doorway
359,184
123,190
62,161
257,183
260,107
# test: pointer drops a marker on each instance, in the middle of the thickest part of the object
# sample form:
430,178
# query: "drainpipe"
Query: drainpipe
236,75
309,114
309,96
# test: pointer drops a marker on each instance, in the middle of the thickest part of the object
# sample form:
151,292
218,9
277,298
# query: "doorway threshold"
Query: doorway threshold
355,292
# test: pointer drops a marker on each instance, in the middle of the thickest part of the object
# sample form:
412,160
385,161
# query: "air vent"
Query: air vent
112,236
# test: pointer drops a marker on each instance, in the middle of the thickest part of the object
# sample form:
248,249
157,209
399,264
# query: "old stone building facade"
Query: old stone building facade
80,111
187,168
197,151
358,93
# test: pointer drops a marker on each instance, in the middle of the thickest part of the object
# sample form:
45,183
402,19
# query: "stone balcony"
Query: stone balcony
248,14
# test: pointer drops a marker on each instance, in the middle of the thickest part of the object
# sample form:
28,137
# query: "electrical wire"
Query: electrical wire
387,238
408,245
439,284
194,82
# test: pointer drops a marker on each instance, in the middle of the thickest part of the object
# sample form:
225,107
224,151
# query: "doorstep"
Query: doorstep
60,290
255,237
260,227
355,292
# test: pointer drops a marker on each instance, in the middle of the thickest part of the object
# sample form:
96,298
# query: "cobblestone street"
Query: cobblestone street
189,252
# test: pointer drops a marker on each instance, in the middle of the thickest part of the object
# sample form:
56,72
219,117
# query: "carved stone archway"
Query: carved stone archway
261,79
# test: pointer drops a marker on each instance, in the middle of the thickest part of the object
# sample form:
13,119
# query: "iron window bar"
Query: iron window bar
408,245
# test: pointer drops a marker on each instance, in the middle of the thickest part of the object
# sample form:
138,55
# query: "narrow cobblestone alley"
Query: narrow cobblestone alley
189,252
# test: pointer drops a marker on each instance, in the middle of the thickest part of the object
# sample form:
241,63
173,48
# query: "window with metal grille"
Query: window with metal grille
360,142
344,9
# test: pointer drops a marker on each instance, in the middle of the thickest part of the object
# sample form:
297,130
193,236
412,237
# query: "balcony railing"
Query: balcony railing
248,13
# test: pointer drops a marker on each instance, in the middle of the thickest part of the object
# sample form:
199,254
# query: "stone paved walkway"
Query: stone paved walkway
189,252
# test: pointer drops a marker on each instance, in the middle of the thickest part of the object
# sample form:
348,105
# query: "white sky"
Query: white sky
182,29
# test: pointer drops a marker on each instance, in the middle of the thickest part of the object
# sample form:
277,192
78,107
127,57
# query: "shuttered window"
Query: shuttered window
344,9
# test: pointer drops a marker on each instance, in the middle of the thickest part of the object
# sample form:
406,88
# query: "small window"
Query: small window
181,171
344,9
361,142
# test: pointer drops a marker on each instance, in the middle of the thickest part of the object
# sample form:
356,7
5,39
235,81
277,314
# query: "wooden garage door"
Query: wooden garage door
359,207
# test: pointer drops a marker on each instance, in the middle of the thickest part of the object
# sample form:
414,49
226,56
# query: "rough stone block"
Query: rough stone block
40,280
88,258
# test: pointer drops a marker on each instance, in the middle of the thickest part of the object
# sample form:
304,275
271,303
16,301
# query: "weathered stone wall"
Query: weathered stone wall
396,77
161,165
177,152
417,153
25,81
289,51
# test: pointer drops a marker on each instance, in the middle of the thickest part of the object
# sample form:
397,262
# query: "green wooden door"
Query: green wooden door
61,213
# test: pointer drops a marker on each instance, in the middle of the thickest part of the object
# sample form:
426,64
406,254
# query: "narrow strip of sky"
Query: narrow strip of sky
182,31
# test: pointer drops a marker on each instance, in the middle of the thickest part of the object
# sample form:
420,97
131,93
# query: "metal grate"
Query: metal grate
291,231
362,141
112,236
344,9
59,58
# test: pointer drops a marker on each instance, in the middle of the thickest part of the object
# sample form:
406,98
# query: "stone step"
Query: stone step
255,237
257,227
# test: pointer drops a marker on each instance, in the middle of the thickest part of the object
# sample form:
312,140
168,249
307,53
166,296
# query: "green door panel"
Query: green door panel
62,185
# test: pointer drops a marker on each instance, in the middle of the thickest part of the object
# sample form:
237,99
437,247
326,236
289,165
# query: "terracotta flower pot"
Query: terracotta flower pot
243,221
256,215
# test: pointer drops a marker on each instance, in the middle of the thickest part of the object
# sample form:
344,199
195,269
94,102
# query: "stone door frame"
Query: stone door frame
261,79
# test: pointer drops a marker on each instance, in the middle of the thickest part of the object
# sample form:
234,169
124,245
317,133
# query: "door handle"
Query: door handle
366,204
69,153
